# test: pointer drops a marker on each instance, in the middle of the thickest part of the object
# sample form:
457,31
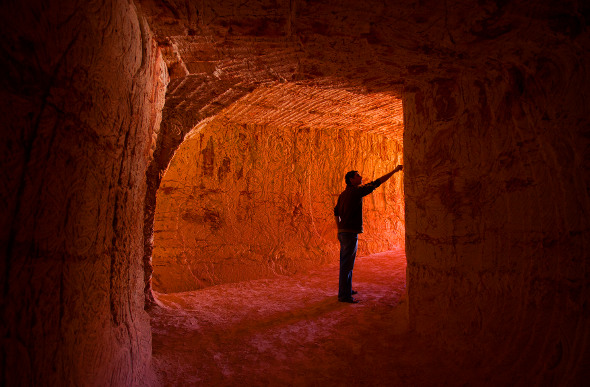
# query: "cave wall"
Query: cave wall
240,202
496,166
497,213
81,91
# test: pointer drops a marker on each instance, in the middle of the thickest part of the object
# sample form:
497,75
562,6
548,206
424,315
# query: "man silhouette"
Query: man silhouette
349,219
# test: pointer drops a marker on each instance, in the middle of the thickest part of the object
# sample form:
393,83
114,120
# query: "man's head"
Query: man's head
353,178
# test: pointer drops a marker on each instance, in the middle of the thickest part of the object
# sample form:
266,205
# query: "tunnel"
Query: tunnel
250,193
485,104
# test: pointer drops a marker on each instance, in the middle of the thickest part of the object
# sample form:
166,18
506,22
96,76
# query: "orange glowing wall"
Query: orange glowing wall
240,202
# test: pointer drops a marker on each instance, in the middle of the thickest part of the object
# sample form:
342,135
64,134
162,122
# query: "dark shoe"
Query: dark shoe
353,292
349,300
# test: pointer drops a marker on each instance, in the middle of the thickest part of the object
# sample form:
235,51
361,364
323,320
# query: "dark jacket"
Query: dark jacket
349,207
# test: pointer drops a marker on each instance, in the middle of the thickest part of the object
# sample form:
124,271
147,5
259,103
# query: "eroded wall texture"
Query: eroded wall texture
242,202
81,89
496,184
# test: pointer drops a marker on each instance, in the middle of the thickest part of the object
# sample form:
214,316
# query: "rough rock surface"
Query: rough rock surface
496,139
244,201
494,211
81,92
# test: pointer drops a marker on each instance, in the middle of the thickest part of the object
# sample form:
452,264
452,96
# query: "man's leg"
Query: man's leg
348,248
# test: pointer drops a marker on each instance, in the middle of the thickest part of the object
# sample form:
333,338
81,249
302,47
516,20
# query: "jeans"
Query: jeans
348,247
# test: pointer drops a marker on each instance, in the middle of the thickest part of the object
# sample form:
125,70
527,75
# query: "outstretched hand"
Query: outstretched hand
386,177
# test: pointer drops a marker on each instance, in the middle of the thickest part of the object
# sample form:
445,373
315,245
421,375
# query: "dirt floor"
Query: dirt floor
292,331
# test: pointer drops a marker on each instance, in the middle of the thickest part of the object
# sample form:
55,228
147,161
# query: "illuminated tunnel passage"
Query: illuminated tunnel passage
248,208
246,199
244,215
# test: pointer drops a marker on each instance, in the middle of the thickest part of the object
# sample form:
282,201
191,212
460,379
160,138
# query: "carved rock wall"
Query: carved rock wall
495,153
81,92
248,201
497,239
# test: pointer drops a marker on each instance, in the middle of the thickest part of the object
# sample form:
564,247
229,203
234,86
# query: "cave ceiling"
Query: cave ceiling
335,63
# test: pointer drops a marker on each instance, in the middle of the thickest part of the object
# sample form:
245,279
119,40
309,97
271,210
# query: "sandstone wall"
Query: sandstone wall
496,165
248,201
81,93
497,213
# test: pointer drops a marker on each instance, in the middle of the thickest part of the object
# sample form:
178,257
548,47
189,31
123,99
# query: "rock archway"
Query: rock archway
249,193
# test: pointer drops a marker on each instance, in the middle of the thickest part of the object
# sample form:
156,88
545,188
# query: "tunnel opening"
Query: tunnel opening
249,193
245,253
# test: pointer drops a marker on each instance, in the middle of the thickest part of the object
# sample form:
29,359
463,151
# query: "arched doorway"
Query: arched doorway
250,194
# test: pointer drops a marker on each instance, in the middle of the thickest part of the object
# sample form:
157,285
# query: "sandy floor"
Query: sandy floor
293,331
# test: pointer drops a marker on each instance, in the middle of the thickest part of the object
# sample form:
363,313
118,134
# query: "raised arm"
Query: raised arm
386,177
